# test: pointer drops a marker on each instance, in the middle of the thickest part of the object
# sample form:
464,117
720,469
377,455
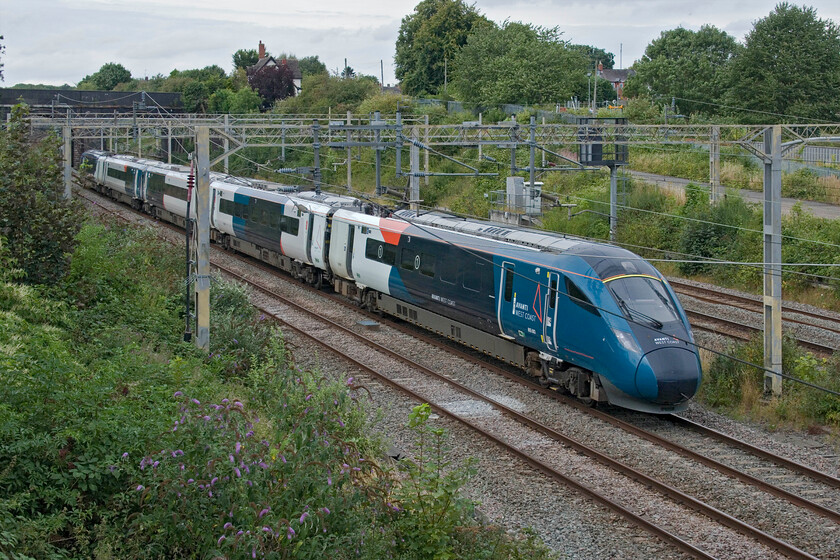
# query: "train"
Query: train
589,318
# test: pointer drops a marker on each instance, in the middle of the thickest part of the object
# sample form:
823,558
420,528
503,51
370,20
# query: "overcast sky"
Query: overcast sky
62,41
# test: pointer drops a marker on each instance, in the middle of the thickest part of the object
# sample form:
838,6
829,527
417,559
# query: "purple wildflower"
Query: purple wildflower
326,510
125,455
210,493
214,481
240,532
196,401
329,481
250,433
303,516
283,458
237,404
219,543
249,483
225,401
238,447
349,380
236,470
340,423
177,452
263,512
228,525
190,481
155,464
266,529
309,396
230,456
263,465
139,487
178,394
290,534
206,418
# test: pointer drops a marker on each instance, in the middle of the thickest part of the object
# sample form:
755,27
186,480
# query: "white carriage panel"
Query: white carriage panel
368,272
221,220
174,204
294,246
338,245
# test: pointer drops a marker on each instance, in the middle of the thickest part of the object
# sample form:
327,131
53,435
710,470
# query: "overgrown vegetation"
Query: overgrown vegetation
739,388
118,440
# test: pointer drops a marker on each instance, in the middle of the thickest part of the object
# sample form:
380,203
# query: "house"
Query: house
616,77
266,61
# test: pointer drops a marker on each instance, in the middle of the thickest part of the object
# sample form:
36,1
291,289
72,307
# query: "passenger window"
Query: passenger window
427,264
579,298
472,277
552,291
509,274
407,259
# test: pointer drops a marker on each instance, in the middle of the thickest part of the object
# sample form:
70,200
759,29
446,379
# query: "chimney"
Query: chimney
262,50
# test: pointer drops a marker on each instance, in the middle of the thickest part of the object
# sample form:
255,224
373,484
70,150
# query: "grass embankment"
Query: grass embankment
737,171
118,440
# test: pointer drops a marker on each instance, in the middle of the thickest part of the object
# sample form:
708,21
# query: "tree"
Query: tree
243,58
2,49
39,224
789,68
195,97
273,83
429,40
322,92
108,77
595,56
348,73
688,65
311,65
517,63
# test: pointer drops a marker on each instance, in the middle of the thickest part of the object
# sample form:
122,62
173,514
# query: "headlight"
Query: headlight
626,339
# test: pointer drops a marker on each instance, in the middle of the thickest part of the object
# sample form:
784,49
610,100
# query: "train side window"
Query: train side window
509,274
448,273
552,291
246,211
579,298
380,251
472,277
292,225
407,259
226,207
274,218
427,264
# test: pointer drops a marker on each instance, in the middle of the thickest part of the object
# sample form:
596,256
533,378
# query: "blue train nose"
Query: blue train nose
668,375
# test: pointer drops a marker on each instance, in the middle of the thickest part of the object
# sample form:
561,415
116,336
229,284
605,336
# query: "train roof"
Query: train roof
330,199
545,241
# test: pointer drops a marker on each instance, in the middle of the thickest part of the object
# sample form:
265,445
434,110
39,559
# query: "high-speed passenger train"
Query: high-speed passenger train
595,319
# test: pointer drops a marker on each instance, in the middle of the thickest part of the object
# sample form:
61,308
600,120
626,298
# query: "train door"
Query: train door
351,236
551,307
340,247
310,226
507,299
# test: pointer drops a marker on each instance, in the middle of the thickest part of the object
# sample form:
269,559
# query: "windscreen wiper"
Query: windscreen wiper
630,311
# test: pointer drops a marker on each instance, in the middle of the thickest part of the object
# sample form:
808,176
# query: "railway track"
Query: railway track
460,403
796,320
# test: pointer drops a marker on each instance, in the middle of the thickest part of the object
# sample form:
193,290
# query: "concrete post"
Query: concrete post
202,213
714,165
613,200
349,154
773,260
226,143
67,135
414,182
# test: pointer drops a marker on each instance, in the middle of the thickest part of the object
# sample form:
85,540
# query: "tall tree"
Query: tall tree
38,223
790,67
517,63
688,65
107,77
2,49
243,58
272,83
428,41
595,56
310,65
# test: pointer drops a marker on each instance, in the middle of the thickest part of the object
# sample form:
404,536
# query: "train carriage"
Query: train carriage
592,318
